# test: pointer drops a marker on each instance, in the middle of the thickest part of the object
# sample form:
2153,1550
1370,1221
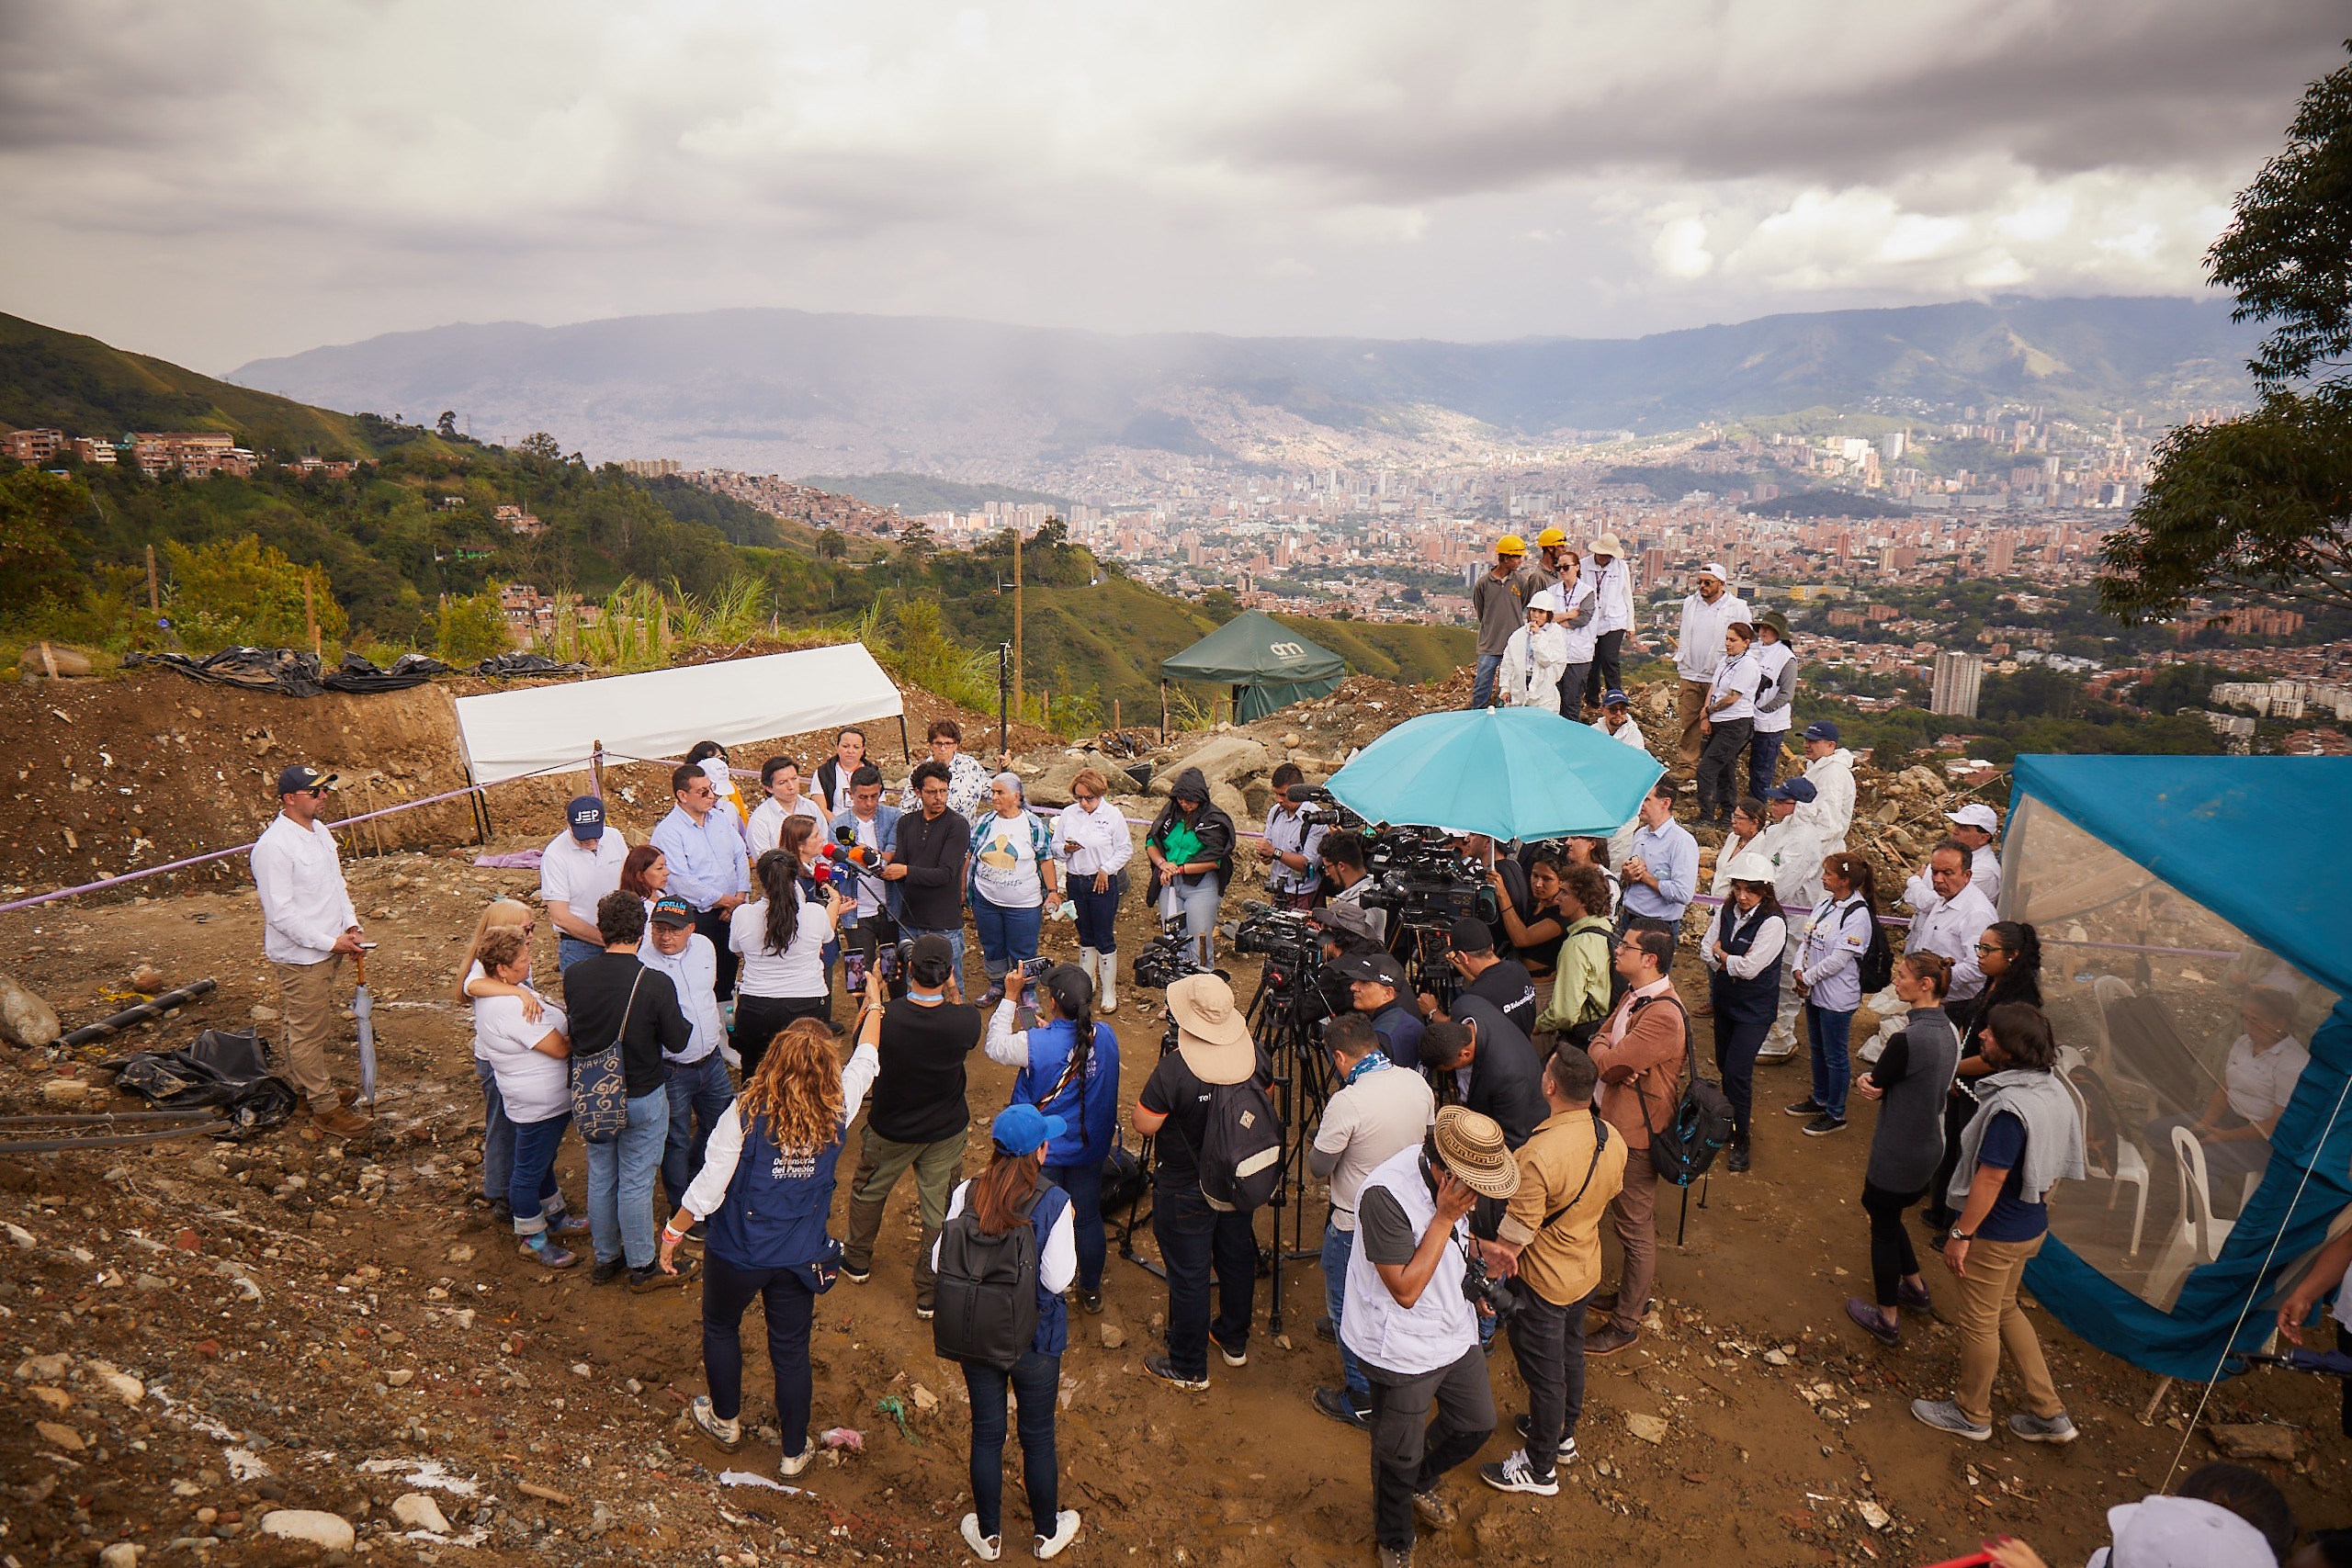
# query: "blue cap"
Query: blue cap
1020,1128
1614,699
586,816
1821,729
671,911
1798,790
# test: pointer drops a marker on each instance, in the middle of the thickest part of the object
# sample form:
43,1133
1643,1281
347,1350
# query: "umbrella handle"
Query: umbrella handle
359,967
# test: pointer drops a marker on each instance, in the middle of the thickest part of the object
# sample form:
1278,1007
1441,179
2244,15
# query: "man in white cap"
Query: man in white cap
1974,824
1409,1321
1699,648
1612,616
2181,1532
1197,1239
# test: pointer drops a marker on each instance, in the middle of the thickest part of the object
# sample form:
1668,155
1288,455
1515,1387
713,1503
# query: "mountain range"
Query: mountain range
793,392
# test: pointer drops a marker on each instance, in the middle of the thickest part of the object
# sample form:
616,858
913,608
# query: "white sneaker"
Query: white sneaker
726,1433
1517,1475
987,1548
1065,1531
791,1465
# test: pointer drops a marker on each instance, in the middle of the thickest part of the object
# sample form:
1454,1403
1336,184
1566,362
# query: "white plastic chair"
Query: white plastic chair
2196,1236
2131,1166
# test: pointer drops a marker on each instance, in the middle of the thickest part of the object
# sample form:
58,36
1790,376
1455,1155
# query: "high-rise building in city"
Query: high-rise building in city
1957,678
2000,554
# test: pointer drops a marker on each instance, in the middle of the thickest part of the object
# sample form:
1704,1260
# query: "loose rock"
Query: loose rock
419,1512
330,1532
1648,1428
2254,1441
25,1018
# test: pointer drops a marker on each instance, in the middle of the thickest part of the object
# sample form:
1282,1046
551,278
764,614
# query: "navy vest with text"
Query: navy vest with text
775,1209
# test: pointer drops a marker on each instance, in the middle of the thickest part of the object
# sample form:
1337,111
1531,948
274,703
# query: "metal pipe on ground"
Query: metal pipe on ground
153,1008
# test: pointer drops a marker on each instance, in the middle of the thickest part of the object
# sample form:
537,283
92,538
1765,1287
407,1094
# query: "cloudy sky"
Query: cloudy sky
219,182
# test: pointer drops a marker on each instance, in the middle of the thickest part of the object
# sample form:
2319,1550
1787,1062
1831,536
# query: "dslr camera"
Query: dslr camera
1497,1296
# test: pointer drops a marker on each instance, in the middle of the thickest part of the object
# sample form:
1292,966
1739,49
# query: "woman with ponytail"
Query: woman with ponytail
1827,977
781,939
765,1189
2009,953
1069,1069
1013,1191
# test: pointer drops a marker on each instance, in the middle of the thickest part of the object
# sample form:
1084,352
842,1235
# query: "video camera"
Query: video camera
1296,973
1424,883
1166,959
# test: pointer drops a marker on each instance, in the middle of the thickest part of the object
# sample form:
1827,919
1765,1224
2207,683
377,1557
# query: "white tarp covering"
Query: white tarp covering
664,712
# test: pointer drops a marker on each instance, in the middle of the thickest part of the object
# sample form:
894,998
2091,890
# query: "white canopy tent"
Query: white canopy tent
545,729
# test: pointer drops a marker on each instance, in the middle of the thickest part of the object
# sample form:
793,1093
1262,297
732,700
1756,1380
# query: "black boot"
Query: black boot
1737,1159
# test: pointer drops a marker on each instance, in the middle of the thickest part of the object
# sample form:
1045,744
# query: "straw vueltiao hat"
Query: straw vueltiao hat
1472,1147
1212,1034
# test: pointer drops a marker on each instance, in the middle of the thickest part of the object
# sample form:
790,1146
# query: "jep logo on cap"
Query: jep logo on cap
586,816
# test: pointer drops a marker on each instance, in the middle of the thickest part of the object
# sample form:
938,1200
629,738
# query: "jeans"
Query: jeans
1891,1259
697,1092
1083,1182
1338,1245
532,1182
1607,657
1097,912
1196,1241
784,1294
497,1134
1547,1342
1572,685
907,935
1764,760
1832,1073
570,950
1482,686
1410,1451
880,1162
1035,1383
1719,760
1008,935
759,1020
1198,906
717,925
620,1182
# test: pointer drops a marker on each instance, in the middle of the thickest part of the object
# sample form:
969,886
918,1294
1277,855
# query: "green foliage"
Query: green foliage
2287,255
38,539
2034,692
915,494
240,591
470,629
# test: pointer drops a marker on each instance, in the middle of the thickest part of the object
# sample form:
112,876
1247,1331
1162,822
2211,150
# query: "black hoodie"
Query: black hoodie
1210,824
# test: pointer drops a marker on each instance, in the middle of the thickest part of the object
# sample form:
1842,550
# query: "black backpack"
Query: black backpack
986,1297
1240,1156
1699,1129
1876,966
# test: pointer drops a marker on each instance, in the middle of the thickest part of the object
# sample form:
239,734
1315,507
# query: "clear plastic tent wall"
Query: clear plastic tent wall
2197,1006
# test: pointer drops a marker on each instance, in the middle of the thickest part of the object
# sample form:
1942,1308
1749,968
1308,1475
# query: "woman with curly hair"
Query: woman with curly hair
765,1189
475,983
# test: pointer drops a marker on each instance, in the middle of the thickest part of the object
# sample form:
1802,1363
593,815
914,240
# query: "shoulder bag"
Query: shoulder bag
599,1087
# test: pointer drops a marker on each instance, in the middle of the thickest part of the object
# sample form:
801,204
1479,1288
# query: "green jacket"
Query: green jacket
1581,985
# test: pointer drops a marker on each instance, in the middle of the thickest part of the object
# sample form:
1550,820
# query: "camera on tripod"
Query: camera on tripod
1166,959
1296,974
1424,882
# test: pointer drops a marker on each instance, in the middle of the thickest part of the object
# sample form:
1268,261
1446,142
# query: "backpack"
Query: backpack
1240,1156
986,1296
1700,1128
1876,966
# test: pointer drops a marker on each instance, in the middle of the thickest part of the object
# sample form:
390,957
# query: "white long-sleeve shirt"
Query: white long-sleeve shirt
1580,608
1700,645
708,1189
1534,662
693,971
764,832
1949,926
1836,936
304,905
1761,955
1088,841
1057,1266
1796,855
1613,599
1831,810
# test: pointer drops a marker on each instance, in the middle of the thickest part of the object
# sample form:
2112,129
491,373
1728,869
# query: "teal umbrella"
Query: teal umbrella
1507,773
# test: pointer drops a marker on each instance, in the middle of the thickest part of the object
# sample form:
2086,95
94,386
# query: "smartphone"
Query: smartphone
1032,967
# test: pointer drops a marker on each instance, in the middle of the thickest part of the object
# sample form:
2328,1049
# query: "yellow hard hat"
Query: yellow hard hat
1510,544
1550,539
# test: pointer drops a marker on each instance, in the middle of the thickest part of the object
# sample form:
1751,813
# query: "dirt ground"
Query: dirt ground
318,1326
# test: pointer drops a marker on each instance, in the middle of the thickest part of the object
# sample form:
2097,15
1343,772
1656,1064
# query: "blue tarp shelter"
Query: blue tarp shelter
2166,890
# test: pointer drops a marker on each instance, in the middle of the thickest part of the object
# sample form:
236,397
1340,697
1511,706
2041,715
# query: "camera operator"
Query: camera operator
1345,929
1344,870
1639,1052
1377,986
1478,1058
1410,1319
1550,1241
1378,1111
1502,981
1196,1240
1293,844
1581,988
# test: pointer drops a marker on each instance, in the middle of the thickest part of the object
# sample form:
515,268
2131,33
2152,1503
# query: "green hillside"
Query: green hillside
66,381
915,494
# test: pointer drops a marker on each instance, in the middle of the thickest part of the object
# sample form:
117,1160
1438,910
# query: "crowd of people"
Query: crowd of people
1478,1137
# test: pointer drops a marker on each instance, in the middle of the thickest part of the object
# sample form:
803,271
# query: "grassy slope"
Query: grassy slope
86,388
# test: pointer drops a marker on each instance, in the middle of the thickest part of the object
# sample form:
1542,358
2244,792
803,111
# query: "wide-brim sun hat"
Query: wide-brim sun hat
1607,545
1471,1146
1212,1034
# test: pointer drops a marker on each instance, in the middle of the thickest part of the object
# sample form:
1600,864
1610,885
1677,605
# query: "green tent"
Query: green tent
1268,665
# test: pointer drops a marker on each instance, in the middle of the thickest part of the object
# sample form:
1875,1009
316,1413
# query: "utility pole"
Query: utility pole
1003,677
310,616
154,599
1016,615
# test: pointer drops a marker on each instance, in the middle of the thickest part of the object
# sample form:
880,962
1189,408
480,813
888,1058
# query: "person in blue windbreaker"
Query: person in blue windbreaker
1068,1069
766,1190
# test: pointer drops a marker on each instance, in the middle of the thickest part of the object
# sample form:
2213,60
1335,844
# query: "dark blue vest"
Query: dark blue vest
1752,1000
775,1213
1053,1311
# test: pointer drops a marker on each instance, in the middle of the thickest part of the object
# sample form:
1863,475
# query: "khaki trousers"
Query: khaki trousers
1633,1213
880,1163
1691,706
310,997
1990,1319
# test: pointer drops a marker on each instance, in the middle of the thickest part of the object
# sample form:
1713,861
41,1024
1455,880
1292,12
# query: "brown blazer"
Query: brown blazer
1646,1065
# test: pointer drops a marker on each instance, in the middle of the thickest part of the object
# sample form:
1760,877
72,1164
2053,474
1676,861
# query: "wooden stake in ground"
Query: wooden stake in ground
154,599
310,616
1016,616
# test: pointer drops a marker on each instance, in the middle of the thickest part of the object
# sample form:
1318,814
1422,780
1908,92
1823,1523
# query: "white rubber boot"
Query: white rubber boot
1106,982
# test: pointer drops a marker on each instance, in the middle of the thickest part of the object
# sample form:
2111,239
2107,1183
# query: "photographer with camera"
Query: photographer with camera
1378,987
1581,982
924,861
1378,1111
1549,1242
1292,845
1205,1096
1639,1052
1502,981
1190,846
919,1117
1411,1319
1480,1059
1068,1069
1343,868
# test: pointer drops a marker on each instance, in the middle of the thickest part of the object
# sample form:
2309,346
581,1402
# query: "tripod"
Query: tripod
1283,1018
1141,1207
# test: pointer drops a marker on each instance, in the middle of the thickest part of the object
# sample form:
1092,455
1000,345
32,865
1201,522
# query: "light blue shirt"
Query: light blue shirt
707,862
694,970
1672,855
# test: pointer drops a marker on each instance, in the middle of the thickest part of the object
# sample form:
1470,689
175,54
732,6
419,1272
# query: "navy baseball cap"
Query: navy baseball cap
302,777
1471,935
1614,700
1821,729
1378,967
670,911
1798,790
1020,1128
586,816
